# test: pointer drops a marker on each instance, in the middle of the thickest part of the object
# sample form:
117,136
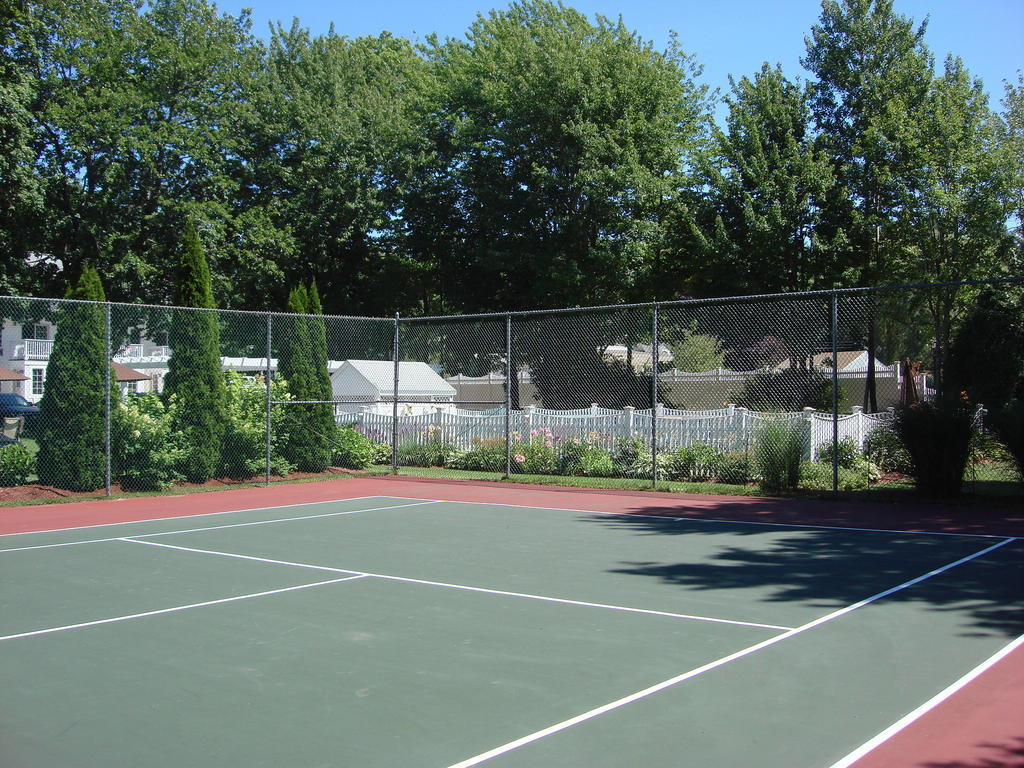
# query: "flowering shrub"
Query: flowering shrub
245,434
352,449
535,456
146,452
698,462
485,456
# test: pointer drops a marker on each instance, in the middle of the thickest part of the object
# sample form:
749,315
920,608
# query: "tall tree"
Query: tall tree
195,379
132,131
766,183
872,74
334,138
303,363
1013,147
558,139
72,429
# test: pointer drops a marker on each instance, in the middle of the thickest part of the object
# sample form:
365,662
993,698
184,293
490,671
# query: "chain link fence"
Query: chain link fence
778,392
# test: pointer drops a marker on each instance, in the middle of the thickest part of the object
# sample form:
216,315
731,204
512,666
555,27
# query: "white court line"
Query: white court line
175,608
933,702
725,522
200,514
220,527
465,587
589,715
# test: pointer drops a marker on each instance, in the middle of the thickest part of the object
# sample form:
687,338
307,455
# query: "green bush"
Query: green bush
244,452
486,456
434,453
352,449
380,454
734,468
16,465
146,449
883,447
779,447
848,453
817,476
535,456
938,438
697,462
632,458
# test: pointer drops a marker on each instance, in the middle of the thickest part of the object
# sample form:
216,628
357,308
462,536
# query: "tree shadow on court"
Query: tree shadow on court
830,569
1000,756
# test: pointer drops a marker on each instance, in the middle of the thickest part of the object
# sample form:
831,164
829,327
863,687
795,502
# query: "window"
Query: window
37,380
34,331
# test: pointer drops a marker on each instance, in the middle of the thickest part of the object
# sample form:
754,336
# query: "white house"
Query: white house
369,385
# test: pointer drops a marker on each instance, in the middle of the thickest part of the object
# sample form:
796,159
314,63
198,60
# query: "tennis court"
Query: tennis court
396,631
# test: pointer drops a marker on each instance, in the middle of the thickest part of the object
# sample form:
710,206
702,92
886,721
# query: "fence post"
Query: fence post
508,395
530,411
106,396
742,412
394,401
270,338
809,418
835,392
655,343
628,416
858,415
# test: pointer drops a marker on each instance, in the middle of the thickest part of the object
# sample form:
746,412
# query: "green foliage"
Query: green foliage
16,464
194,374
698,462
779,448
581,457
883,447
354,450
535,456
486,456
693,351
986,360
303,363
735,468
433,453
381,454
848,453
72,419
817,476
146,450
632,458
245,433
938,438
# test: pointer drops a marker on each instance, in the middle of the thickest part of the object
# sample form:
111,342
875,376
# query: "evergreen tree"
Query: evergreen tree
303,363
72,437
195,379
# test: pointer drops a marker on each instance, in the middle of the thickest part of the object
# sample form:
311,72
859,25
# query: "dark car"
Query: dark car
16,406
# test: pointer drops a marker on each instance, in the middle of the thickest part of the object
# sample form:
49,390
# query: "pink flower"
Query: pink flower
533,433
549,444
519,458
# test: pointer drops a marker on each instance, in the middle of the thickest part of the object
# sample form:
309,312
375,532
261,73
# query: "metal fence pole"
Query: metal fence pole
508,395
394,402
654,397
835,391
106,412
270,336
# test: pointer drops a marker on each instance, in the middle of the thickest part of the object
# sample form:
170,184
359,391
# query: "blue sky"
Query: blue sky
727,36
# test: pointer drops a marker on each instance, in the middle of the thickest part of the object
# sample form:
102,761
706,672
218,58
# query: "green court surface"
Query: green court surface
390,632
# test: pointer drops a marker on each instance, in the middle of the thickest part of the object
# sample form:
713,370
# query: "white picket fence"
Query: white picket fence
725,429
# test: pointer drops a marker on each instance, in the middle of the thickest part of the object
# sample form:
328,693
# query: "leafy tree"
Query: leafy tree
872,75
693,351
334,138
558,140
1013,148
72,428
194,377
757,229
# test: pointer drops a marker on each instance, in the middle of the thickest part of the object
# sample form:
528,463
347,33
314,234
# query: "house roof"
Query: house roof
6,374
124,373
413,378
